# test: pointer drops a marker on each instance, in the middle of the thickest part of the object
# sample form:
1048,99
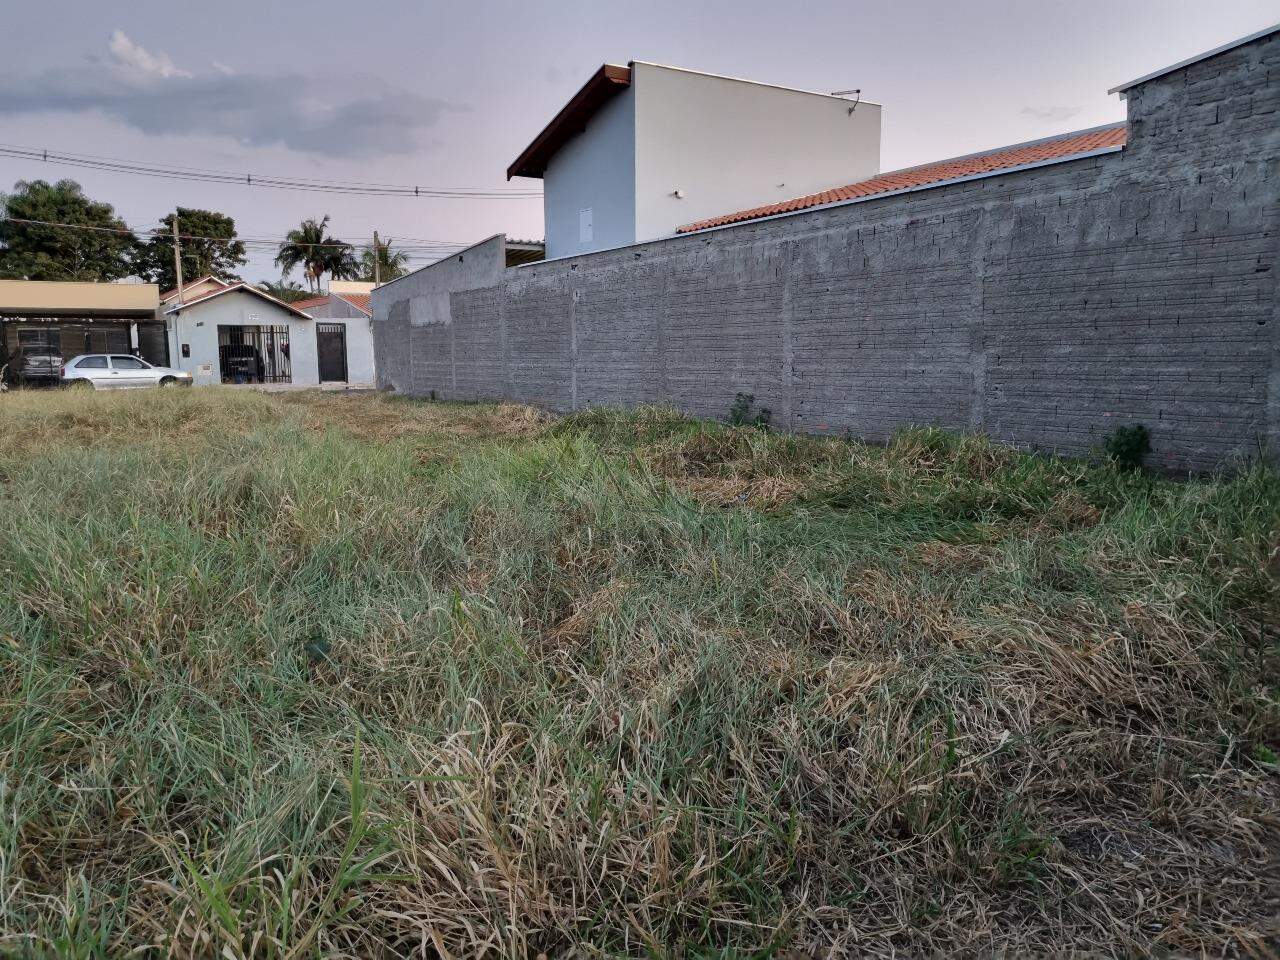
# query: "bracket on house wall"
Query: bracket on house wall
856,94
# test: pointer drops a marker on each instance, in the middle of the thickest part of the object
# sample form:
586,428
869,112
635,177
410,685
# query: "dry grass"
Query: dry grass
322,675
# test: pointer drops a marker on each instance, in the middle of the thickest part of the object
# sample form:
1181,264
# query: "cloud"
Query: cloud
1052,114
360,117
128,54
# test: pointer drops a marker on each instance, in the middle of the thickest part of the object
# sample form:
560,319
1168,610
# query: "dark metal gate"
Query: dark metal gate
254,354
331,345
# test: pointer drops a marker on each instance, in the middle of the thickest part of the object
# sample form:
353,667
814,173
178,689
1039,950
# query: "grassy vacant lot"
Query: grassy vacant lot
305,675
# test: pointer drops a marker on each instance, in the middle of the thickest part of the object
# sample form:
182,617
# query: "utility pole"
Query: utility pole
177,272
377,260
177,257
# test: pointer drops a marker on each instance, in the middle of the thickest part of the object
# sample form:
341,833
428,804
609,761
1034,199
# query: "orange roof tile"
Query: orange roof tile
358,300
932,174
168,294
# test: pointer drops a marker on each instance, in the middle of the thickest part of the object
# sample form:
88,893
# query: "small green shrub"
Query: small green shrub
1127,447
744,412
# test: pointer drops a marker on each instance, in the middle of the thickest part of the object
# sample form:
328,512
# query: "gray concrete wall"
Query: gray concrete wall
420,345
335,308
1045,307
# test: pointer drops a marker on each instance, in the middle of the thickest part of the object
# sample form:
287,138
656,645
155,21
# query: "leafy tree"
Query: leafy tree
391,265
219,256
30,252
344,264
286,290
311,248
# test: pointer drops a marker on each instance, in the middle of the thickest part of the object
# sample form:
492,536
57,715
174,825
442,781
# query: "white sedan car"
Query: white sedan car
105,371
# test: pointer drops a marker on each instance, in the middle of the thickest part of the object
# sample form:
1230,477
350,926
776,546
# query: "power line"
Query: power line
248,179
346,187
426,252
140,234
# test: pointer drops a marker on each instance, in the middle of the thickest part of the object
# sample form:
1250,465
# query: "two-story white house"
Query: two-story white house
643,149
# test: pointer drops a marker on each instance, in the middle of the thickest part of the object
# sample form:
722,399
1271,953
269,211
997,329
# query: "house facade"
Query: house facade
344,340
44,323
641,150
223,332
218,331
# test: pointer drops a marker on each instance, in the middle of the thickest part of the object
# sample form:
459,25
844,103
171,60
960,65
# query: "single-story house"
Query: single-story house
219,331
232,332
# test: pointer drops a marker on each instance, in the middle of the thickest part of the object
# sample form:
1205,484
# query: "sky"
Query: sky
447,94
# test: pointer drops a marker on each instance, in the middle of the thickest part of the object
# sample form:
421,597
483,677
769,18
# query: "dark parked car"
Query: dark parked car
35,365
241,363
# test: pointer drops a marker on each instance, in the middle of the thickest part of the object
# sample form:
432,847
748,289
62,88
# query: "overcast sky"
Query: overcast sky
447,94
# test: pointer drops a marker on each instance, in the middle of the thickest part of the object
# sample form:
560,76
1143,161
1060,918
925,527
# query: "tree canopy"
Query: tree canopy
220,256
29,252
290,291
391,264
310,247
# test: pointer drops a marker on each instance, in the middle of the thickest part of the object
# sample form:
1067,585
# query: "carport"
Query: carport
43,323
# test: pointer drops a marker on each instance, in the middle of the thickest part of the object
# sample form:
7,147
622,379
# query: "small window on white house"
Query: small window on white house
586,225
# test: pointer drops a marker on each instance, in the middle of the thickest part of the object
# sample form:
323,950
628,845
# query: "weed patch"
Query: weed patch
315,675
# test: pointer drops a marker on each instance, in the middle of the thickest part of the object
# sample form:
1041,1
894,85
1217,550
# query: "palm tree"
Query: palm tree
343,263
299,248
287,290
390,265
316,252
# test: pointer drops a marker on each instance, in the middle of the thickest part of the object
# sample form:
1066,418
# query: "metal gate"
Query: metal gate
254,354
331,345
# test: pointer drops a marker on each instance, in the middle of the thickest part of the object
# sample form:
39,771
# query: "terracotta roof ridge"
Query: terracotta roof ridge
173,292
353,299
1058,148
1025,144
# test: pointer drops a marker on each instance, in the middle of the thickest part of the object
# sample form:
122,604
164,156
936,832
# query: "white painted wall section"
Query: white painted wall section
589,187
360,369
197,325
729,145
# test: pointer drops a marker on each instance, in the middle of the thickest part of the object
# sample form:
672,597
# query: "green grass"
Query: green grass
313,675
